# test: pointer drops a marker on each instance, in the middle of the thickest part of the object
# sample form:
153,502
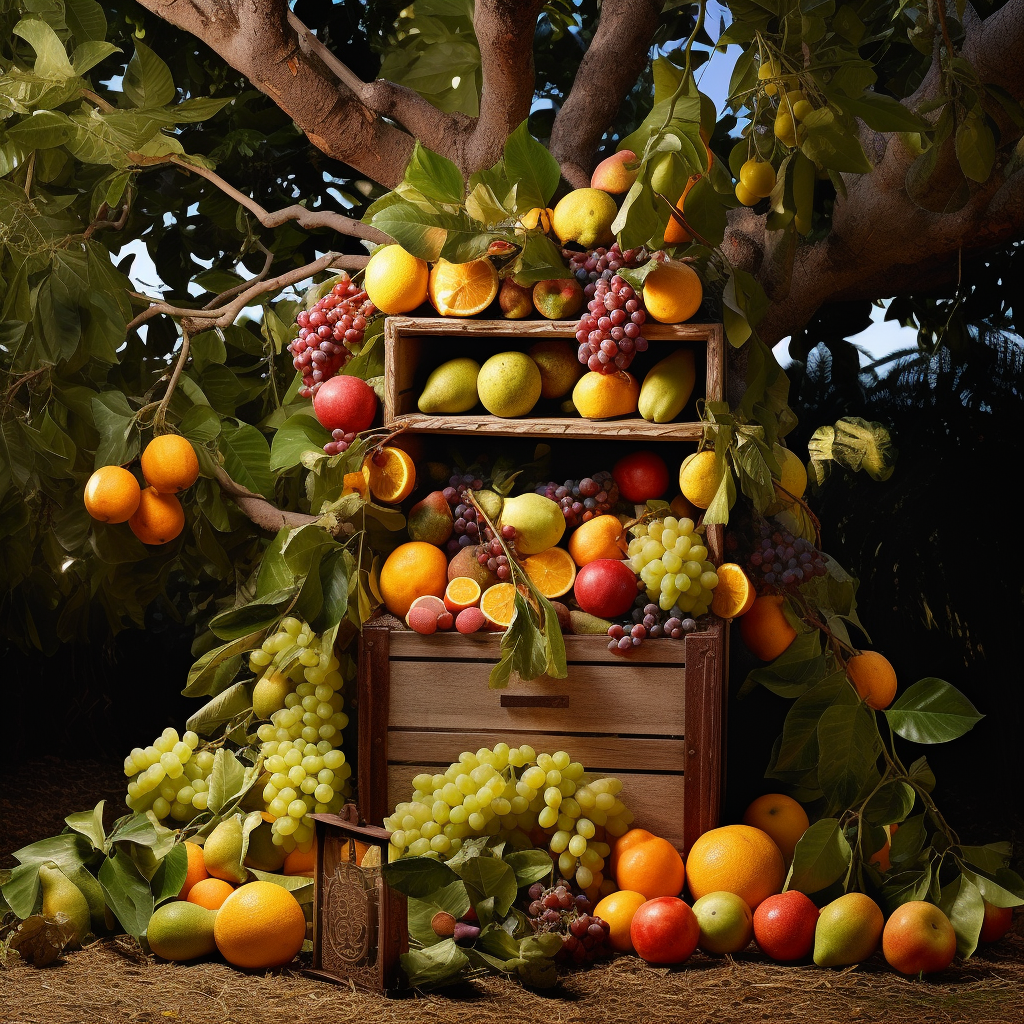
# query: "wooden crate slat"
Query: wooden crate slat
596,753
635,429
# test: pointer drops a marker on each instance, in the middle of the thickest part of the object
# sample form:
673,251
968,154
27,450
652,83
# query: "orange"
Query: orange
112,495
462,289
196,869
617,909
498,603
652,867
169,464
601,537
625,842
736,858
395,280
552,571
410,571
260,925
734,594
880,858
210,893
765,629
780,817
391,474
682,509
873,678
675,233
356,483
159,517
673,292
301,862
462,592
601,396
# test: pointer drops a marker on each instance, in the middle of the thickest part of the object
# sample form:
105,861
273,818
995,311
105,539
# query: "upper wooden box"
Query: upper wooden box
414,346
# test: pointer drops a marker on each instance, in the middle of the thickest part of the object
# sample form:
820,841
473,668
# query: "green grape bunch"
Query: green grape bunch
671,558
170,777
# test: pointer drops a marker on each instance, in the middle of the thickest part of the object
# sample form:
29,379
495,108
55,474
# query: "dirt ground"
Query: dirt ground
113,981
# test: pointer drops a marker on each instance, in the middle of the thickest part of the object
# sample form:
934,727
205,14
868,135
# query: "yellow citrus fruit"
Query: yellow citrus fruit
260,925
765,629
675,233
463,289
159,517
169,463
600,537
552,571
769,69
410,571
498,603
196,869
736,858
734,594
758,177
673,292
461,593
802,109
785,128
112,495
601,396
699,478
585,216
780,817
391,475
745,196
210,893
395,280
617,909
873,677
538,217
793,473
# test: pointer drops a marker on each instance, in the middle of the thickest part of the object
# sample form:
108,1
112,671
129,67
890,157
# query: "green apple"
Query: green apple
726,924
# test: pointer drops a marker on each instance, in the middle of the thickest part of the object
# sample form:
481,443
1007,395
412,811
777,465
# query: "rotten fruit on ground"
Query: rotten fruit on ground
509,384
450,388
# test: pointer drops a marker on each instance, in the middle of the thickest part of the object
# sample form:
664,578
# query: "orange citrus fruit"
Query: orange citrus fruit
652,867
301,862
780,817
391,475
210,893
462,592
675,233
617,909
682,509
196,869
159,517
625,842
169,463
498,603
260,925
552,571
734,594
601,396
462,289
873,678
410,571
765,629
600,537
673,292
112,495
736,858
395,280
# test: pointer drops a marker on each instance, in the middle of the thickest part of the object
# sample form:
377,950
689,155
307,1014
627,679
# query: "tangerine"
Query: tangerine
159,517
410,571
780,817
617,910
736,858
673,292
765,629
210,893
301,862
652,867
196,871
873,678
600,537
624,842
462,592
112,495
169,463
602,396
260,925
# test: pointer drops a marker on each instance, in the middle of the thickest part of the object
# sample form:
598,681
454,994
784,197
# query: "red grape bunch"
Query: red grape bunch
609,332
784,561
327,334
585,499
590,267
648,620
556,909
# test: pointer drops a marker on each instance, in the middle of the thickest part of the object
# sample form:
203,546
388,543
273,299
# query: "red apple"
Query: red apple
784,926
345,403
664,930
641,476
996,923
918,938
605,587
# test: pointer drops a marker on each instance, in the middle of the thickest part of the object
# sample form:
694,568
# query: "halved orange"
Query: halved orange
553,571
498,603
392,474
356,483
734,594
462,289
462,592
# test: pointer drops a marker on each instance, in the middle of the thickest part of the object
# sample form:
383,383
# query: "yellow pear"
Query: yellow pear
62,896
222,851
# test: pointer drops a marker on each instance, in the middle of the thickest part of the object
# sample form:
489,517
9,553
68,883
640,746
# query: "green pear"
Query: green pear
222,851
93,893
848,930
584,622
667,387
262,854
180,930
62,896
491,502
451,388
538,521
430,519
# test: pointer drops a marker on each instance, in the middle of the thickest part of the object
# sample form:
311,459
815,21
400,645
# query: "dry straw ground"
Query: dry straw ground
113,982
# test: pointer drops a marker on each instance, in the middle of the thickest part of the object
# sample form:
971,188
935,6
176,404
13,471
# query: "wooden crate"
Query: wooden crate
416,345
654,719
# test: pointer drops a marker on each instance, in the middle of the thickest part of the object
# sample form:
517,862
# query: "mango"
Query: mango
667,387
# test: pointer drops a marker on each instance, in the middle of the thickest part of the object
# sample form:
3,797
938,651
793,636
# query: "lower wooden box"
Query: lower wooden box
654,719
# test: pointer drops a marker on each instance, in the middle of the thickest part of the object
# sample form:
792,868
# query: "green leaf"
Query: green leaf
44,129
529,866
540,260
170,876
793,672
417,231
882,113
452,899
301,887
990,858
891,804
704,212
906,886
532,167
335,583
247,458
849,747
418,877
203,678
90,53
51,57
1002,888
200,424
115,421
147,80
484,206
21,891
822,856
251,618
127,893
90,825
798,750
434,966
932,711
229,780
834,146
908,841
975,145
435,176
491,877
234,701
86,20
961,901
142,831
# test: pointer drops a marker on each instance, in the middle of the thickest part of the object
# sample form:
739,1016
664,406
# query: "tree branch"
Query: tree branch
257,508
614,60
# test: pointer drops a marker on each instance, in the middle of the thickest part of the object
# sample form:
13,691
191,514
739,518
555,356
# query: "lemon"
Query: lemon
585,216
699,478
395,280
509,384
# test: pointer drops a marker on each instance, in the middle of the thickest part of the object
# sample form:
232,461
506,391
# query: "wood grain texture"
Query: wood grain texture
373,696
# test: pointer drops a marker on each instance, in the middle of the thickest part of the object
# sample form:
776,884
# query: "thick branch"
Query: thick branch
257,508
617,55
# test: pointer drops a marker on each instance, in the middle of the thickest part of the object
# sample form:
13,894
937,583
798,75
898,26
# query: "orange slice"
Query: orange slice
462,289
356,483
462,592
734,594
392,475
498,603
553,571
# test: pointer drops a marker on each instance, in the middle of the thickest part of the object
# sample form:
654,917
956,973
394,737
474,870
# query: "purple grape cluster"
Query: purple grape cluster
609,332
492,554
327,334
782,560
648,621
466,529
584,499
590,267
556,909
339,442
